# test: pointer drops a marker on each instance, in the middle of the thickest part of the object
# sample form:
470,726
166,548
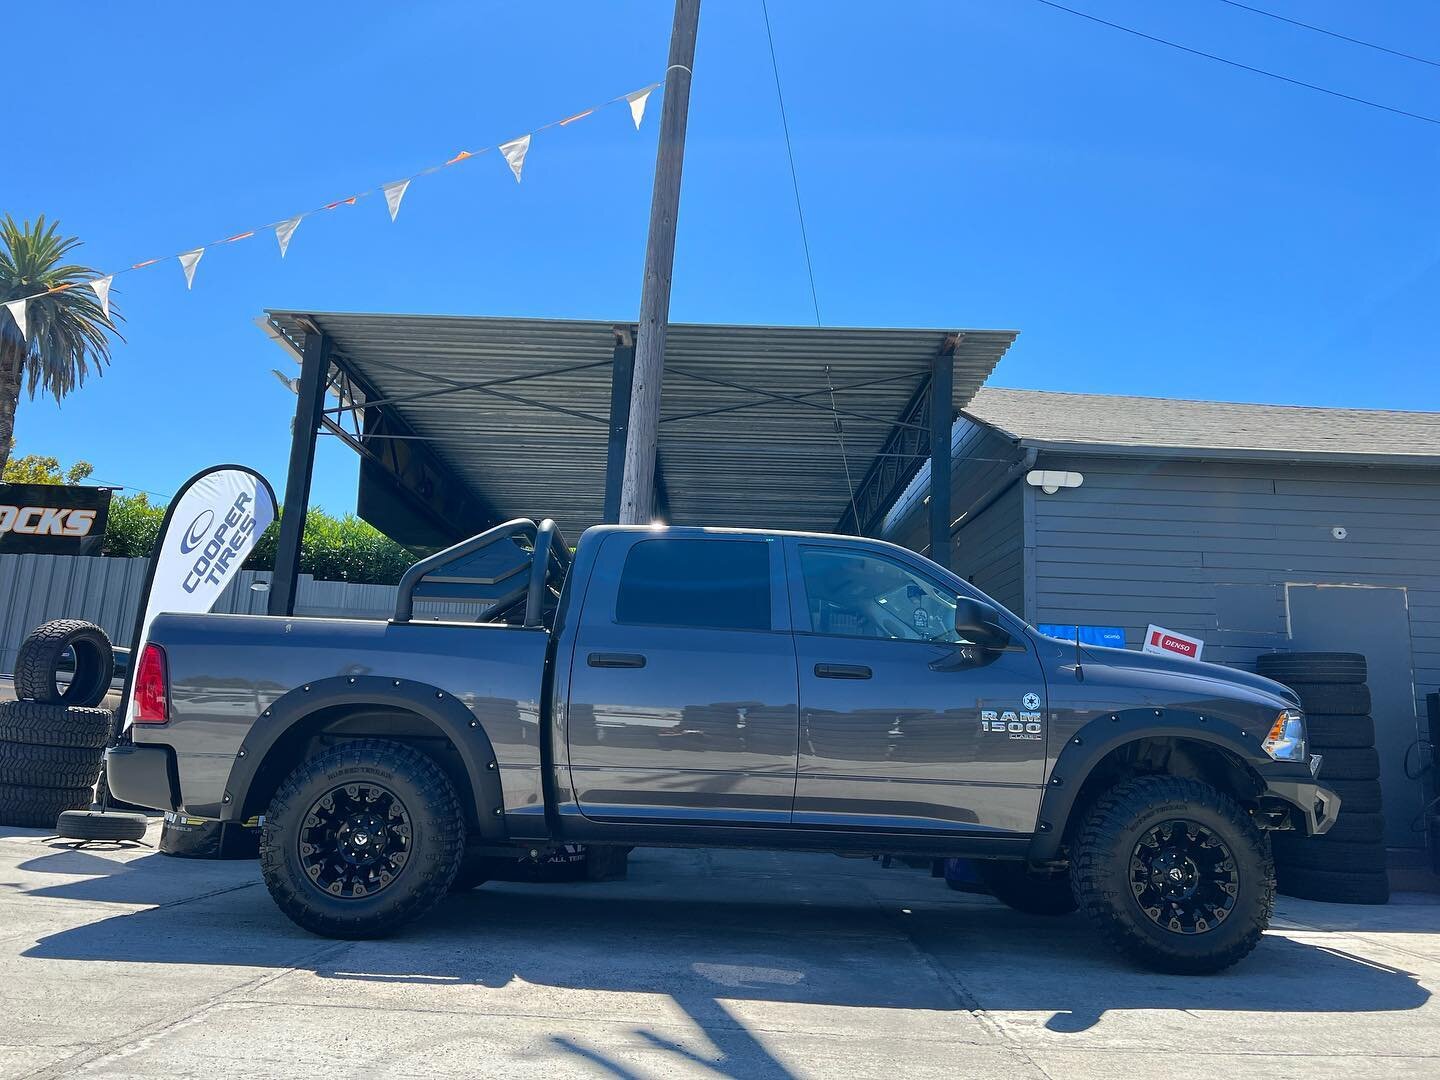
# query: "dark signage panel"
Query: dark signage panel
53,519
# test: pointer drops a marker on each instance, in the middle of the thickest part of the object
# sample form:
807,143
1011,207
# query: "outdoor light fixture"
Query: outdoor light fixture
260,586
1051,482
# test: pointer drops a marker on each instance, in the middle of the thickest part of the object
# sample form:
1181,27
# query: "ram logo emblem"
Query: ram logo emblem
1017,725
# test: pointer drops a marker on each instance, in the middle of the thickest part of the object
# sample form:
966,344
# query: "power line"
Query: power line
1242,67
794,178
1332,33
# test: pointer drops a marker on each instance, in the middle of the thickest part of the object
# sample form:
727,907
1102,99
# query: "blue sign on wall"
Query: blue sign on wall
1114,636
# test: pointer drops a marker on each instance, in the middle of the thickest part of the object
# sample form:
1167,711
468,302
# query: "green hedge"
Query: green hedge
332,549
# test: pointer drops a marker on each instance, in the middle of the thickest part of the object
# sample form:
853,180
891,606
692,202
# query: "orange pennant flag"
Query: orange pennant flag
147,262
577,116
461,156
238,236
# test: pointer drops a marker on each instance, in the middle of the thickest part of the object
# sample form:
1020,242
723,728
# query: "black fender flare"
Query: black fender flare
444,710
1087,747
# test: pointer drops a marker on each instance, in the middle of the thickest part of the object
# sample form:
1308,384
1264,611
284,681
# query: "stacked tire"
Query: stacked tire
1347,864
52,737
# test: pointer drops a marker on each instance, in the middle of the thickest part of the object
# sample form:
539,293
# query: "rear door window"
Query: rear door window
718,584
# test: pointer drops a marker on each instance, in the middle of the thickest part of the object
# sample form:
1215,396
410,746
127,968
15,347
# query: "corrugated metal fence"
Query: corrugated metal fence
37,588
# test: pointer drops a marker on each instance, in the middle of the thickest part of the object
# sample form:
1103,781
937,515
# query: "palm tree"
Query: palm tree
67,331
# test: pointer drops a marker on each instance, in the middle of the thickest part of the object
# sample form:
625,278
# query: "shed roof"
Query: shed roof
1209,429
518,409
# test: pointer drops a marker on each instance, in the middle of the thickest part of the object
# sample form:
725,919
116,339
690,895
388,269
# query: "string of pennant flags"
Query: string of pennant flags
514,152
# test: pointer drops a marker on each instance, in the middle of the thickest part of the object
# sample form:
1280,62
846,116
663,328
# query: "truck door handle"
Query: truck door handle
842,671
615,659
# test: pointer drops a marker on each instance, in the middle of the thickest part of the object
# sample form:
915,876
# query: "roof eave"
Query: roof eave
1210,453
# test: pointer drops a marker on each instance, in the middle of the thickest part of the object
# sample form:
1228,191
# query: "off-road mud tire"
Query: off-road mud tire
1100,872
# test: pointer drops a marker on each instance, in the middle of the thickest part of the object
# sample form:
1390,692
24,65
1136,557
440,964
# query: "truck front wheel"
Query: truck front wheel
1173,874
362,839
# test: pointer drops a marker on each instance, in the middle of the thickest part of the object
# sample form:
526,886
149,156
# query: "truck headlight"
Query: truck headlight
1286,741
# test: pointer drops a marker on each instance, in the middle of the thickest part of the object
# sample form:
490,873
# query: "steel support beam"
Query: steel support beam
622,374
900,455
942,419
309,411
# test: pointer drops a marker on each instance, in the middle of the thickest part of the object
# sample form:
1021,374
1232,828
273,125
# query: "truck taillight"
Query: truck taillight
152,688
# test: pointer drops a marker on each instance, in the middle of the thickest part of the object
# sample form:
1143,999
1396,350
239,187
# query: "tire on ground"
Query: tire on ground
1322,853
1337,699
48,766
1327,732
37,666
433,850
1357,796
1011,883
1312,667
1335,886
38,724
38,807
93,825
1350,764
1100,871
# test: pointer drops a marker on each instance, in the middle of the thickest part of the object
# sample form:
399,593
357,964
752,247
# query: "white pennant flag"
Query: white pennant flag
17,312
393,194
101,285
515,151
188,262
637,102
284,231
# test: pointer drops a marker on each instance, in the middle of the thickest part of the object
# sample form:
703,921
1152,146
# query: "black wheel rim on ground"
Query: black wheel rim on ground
355,840
1183,877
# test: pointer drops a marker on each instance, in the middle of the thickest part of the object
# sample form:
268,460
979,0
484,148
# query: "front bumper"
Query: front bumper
143,775
1316,805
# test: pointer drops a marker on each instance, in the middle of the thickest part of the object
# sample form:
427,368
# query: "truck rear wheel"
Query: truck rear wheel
362,839
1173,875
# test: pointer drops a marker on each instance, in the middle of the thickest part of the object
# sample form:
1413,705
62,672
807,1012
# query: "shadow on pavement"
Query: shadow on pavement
702,936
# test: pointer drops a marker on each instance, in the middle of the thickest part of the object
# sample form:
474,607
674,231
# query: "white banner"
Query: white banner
210,529
284,231
101,285
515,151
17,312
393,194
188,262
637,102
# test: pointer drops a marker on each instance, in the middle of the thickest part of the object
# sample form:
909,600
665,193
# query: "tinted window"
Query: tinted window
713,583
854,595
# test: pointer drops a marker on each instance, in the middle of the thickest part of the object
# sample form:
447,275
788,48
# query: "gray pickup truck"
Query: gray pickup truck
699,687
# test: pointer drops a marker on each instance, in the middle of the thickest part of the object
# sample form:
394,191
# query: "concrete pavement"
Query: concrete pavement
738,964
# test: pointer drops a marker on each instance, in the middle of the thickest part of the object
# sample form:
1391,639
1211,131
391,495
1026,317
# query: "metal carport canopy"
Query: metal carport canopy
519,411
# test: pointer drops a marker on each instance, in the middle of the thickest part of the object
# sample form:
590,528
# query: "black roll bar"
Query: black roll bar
548,551
549,544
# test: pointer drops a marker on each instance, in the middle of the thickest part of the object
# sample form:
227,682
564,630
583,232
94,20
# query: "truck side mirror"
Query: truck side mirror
979,622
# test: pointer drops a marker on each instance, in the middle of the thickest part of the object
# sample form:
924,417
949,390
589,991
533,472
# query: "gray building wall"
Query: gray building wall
1207,547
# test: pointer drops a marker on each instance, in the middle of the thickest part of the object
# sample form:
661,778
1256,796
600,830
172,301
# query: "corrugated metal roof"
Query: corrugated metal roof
1208,428
772,463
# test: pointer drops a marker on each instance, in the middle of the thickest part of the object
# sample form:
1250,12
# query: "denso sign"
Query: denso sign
1172,643
53,519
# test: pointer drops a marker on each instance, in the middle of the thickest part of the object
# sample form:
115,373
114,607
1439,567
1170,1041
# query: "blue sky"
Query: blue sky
1152,222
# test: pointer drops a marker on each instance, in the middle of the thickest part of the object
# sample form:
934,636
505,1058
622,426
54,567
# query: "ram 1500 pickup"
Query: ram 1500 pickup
701,687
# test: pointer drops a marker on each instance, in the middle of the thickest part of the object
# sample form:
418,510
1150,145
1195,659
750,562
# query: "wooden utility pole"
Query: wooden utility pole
637,495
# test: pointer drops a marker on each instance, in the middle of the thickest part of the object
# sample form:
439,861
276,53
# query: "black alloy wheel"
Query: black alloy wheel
1173,873
355,839
362,839
1183,876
